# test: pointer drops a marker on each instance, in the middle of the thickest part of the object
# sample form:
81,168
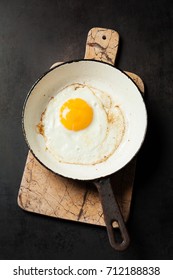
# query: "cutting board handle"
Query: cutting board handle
102,45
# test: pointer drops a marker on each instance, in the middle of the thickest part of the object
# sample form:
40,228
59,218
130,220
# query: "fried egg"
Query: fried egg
81,125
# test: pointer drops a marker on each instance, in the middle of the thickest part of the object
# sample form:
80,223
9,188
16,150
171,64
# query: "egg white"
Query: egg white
91,145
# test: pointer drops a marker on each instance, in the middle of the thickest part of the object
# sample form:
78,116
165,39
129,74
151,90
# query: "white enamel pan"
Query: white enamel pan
102,46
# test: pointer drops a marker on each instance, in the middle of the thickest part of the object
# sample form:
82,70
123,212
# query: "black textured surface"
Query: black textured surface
33,35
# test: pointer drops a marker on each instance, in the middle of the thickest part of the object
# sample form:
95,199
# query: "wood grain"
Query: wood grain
43,192
102,45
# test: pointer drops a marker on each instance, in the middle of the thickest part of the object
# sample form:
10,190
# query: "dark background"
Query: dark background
33,35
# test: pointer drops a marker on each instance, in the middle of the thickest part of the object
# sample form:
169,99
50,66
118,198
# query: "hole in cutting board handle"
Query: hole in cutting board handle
104,37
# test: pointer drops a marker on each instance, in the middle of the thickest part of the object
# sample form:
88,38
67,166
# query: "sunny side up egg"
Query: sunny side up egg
81,125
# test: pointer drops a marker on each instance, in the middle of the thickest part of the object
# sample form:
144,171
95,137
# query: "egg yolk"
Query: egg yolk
76,114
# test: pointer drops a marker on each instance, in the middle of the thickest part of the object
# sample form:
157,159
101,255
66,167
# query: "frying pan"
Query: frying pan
97,71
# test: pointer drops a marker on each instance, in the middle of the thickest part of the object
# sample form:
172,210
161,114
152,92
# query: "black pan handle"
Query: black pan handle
112,214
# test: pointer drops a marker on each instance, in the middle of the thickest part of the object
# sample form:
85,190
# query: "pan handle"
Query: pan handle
112,214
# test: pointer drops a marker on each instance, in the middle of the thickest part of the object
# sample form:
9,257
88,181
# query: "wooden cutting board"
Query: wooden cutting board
43,192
